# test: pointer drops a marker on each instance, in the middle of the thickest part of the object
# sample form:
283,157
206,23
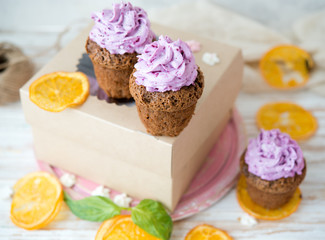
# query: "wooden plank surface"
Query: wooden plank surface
17,159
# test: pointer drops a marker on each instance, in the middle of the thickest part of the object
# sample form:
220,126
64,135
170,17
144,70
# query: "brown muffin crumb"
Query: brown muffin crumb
166,113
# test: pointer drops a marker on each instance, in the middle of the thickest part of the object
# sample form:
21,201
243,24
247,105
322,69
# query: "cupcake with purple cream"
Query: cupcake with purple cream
274,166
117,37
166,85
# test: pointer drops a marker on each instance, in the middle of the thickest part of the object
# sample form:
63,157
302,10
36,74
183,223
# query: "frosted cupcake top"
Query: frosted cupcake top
122,29
274,155
165,65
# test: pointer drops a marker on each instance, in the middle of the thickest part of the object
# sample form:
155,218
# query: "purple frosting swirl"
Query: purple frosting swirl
123,29
165,65
274,155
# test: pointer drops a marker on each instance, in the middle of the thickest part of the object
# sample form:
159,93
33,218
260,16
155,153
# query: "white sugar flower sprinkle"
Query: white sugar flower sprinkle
247,220
122,200
68,180
101,191
210,58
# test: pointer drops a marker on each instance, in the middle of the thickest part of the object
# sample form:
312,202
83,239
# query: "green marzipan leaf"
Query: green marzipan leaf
151,216
94,208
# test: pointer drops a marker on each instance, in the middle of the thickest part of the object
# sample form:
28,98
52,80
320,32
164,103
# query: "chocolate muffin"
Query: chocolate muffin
166,85
270,194
269,188
114,42
112,71
166,113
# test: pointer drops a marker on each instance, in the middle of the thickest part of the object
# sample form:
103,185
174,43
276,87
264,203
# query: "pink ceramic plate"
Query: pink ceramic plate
216,177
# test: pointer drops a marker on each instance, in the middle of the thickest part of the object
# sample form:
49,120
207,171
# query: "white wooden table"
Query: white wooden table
17,159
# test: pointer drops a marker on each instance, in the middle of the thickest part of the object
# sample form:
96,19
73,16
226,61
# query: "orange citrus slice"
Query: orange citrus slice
207,232
54,214
260,212
121,227
56,91
37,200
290,118
286,66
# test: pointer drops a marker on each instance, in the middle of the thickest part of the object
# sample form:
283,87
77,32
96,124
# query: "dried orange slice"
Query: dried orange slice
56,91
37,200
207,232
121,227
286,66
54,214
290,118
255,210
